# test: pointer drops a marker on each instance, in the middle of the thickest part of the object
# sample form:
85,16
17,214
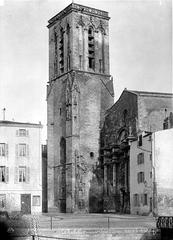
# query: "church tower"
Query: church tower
79,91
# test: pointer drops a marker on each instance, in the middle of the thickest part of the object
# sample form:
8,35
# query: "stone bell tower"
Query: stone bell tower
79,91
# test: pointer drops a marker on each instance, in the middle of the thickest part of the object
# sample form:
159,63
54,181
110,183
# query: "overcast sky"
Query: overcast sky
140,50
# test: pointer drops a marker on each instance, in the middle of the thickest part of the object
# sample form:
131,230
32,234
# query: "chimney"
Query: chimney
4,109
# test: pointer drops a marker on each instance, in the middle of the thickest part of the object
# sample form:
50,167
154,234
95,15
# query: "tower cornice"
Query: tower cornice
80,71
78,8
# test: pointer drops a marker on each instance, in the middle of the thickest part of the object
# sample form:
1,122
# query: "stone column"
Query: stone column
105,180
85,49
114,175
125,175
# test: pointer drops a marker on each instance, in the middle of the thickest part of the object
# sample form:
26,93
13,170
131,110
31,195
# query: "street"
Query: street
93,226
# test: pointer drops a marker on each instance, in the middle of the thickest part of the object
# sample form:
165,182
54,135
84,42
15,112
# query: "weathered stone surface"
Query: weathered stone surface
133,113
78,96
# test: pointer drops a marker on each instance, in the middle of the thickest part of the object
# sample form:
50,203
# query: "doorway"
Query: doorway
26,203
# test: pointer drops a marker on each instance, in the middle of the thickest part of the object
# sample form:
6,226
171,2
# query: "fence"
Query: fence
39,237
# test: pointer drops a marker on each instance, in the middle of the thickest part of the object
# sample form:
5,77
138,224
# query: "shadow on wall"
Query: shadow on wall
96,191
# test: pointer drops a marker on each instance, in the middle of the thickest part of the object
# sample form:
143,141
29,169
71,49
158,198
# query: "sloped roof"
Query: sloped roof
154,94
166,99
13,123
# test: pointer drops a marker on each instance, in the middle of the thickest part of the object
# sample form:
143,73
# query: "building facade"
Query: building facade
134,113
141,178
20,167
151,174
79,91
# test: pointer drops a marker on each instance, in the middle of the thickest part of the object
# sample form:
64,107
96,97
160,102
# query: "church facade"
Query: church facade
135,113
79,91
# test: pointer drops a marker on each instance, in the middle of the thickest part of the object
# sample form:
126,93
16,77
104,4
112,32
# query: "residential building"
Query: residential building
141,175
151,173
20,167
79,92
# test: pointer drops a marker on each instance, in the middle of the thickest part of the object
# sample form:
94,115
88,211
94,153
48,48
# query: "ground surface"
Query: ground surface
89,226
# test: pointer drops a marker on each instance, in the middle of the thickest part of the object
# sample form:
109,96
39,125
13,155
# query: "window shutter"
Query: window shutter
6,174
138,177
16,179
27,133
6,149
28,174
16,150
27,150
143,178
17,133
137,197
138,158
142,199
142,157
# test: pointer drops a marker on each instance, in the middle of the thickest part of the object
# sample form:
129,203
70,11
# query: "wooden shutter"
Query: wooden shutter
16,175
138,158
27,150
138,176
28,174
7,174
137,197
142,157
6,149
143,177
27,133
16,150
142,199
17,133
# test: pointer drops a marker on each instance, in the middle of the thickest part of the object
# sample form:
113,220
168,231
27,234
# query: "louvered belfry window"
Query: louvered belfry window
91,49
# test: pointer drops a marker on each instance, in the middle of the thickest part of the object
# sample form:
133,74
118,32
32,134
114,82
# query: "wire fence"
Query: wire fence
39,237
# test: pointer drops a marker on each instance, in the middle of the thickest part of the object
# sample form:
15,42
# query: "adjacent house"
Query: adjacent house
20,167
151,173
141,175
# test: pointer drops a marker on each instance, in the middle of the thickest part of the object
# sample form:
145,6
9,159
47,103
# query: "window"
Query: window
125,114
91,49
3,174
140,177
150,174
61,51
140,158
100,66
36,201
55,60
150,157
80,61
145,199
140,140
136,200
22,174
2,149
2,200
68,47
22,132
22,150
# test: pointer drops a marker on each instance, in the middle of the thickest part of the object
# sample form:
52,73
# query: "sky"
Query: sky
140,38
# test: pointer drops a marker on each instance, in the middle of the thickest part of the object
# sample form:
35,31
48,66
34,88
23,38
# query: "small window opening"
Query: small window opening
91,154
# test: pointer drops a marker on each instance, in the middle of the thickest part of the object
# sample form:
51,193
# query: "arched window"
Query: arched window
125,113
61,51
91,49
68,47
